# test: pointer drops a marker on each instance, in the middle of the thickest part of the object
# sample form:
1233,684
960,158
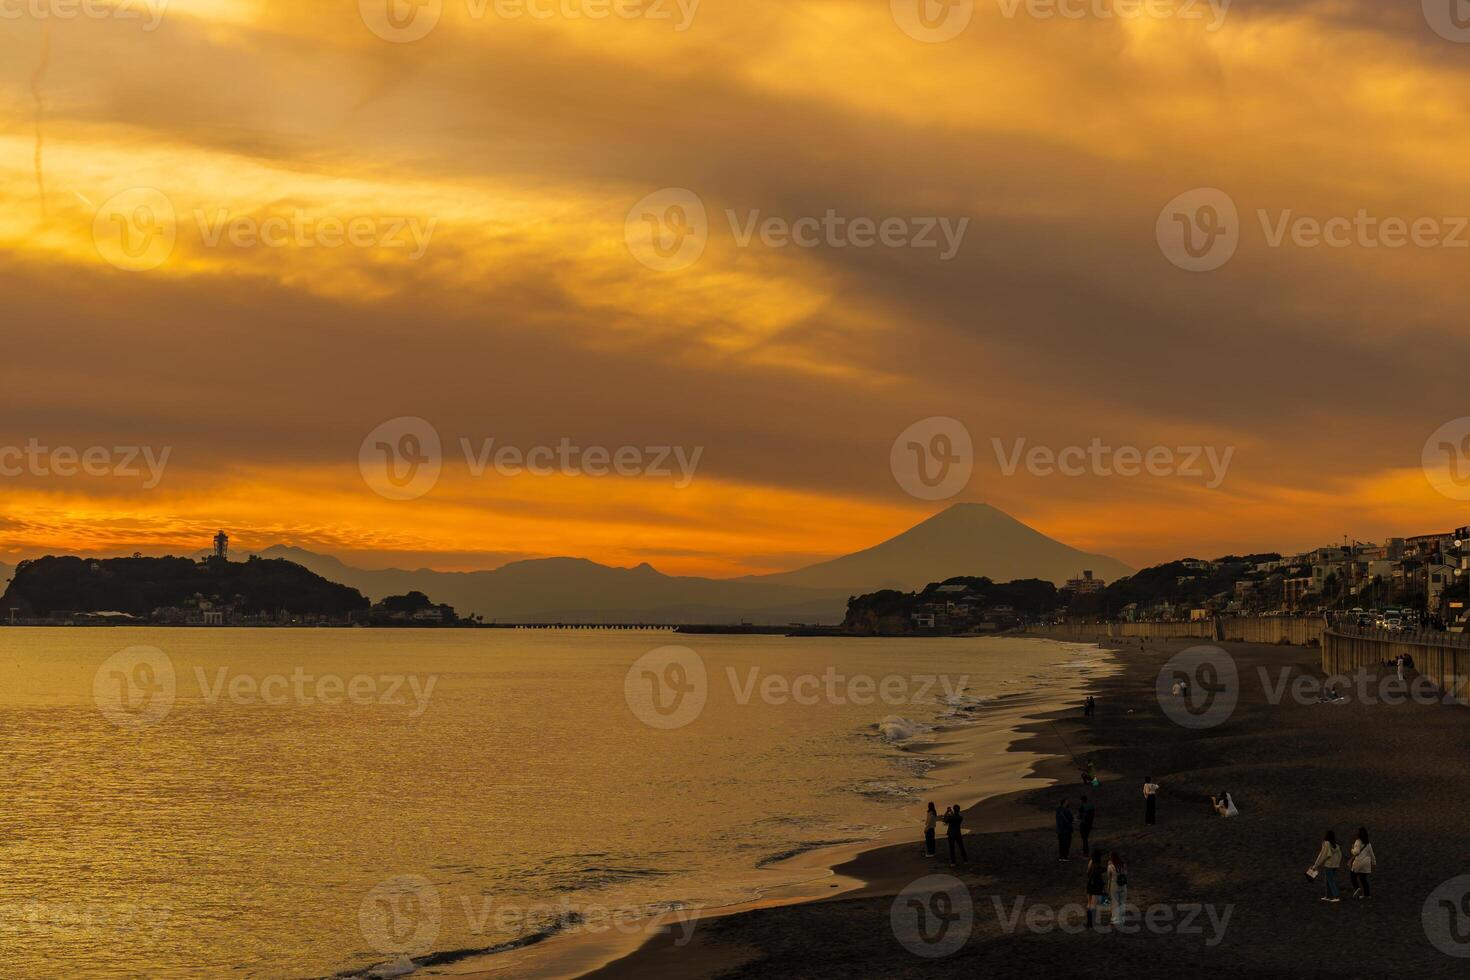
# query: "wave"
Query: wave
800,849
896,728
587,879
403,966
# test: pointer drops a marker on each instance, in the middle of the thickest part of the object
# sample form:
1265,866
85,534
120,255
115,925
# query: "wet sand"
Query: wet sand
1294,769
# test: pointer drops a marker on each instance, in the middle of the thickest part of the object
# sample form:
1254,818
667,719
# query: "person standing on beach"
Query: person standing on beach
1329,859
1064,832
930,819
1150,800
1362,864
1096,876
1086,814
1118,885
953,819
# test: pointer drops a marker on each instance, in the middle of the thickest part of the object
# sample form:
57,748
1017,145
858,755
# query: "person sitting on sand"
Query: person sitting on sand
952,820
1329,859
930,819
1224,805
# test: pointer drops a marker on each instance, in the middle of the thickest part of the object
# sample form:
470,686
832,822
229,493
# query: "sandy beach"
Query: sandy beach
1222,894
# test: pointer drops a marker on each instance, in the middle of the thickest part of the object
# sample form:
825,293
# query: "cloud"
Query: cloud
524,144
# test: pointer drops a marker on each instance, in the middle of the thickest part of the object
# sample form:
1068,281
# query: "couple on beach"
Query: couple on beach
953,820
1362,862
1086,815
1106,884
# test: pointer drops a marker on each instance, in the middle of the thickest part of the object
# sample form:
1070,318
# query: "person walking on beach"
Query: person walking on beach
1089,708
1150,800
930,820
1064,832
1329,859
1399,662
1086,814
1117,885
953,819
1362,864
1096,877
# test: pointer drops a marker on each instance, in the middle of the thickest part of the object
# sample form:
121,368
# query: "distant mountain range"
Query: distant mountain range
965,539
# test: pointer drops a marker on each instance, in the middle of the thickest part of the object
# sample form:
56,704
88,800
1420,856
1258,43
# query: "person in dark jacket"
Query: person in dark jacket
1096,886
1064,832
1086,814
952,820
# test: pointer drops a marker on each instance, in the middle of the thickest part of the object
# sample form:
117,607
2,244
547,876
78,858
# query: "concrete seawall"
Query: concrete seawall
1443,658
1297,630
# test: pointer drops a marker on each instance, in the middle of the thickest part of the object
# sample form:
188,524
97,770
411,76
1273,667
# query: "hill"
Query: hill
138,586
963,540
575,590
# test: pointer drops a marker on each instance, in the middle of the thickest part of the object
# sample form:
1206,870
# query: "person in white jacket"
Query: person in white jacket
1329,859
1224,805
1362,864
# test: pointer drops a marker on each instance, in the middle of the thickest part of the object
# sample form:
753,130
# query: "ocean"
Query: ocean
312,803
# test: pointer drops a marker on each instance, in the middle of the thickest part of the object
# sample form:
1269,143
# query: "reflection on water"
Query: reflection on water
318,801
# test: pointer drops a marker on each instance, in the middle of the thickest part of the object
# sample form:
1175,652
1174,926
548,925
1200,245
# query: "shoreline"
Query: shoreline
966,770
1292,767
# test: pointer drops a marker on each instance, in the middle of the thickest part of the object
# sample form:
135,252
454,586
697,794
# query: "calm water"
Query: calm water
310,802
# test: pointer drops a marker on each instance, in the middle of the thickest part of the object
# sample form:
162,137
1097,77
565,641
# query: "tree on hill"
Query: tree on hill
138,586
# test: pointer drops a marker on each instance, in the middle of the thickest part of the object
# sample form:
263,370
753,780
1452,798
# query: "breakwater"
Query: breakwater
1444,658
1296,630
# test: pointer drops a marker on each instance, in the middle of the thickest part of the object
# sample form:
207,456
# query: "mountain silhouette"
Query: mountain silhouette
965,539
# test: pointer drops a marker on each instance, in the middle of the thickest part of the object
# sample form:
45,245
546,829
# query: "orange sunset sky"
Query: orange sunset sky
523,142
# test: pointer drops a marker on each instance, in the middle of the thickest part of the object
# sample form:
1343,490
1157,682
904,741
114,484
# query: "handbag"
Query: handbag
1312,874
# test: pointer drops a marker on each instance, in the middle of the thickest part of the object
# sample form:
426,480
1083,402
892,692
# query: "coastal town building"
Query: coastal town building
1086,584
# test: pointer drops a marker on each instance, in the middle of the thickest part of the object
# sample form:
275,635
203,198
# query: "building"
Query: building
222,546
1086,585
1296,591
